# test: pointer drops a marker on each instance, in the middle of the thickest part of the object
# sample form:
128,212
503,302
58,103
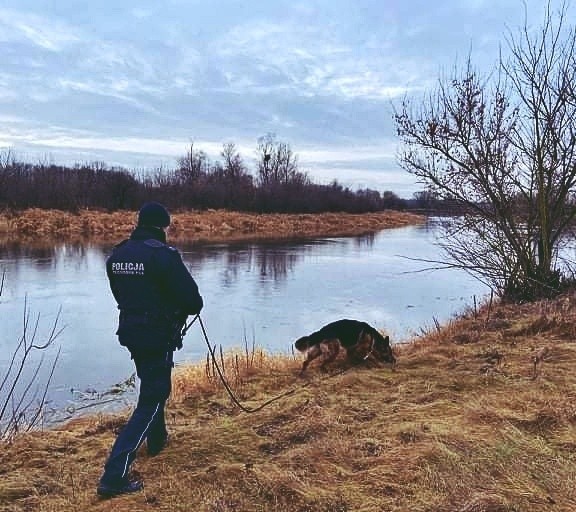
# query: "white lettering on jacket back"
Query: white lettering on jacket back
128,267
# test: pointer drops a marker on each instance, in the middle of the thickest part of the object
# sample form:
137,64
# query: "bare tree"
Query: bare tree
277,164
193,165
22,394
502,147
234,179
6,163
233,167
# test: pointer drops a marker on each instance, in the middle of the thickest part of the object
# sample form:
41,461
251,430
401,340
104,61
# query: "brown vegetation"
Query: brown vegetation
210,225
462,424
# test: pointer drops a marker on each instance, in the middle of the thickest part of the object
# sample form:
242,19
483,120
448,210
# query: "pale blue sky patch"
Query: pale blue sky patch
132,83
48,33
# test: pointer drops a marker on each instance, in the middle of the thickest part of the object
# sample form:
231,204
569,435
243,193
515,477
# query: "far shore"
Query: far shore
36,225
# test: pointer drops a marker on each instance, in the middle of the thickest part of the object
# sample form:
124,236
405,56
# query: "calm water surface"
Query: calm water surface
266,293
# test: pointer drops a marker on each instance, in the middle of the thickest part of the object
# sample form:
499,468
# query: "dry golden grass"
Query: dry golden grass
466,422
210,225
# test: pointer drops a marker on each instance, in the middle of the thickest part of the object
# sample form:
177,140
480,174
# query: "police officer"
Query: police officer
155,294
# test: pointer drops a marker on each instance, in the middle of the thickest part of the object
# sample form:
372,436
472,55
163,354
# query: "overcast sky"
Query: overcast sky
133,83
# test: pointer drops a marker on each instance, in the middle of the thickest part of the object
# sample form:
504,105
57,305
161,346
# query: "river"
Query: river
264,293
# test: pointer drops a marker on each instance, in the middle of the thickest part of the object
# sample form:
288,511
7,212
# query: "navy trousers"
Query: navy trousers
147,421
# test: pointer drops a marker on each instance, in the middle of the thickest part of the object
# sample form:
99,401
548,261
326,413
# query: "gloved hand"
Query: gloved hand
178,326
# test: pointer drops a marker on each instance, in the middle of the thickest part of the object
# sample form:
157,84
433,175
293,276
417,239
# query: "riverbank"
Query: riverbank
202,226
478,415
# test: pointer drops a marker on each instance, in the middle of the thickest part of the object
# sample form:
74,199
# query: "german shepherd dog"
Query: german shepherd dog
359,339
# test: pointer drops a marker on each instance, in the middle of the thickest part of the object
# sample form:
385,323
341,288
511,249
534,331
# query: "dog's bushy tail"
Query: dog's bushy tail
302,344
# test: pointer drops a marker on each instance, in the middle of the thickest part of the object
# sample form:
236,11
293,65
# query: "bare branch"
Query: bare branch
24,398
503,147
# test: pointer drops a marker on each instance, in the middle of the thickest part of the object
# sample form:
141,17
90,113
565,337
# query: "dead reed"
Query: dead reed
209,225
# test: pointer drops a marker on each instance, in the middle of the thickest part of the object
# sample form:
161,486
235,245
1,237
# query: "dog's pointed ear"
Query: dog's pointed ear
387,339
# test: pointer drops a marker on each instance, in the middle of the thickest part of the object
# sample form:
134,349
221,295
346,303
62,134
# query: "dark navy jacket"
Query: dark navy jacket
153,288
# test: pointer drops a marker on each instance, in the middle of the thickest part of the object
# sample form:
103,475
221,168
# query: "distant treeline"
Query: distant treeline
195,183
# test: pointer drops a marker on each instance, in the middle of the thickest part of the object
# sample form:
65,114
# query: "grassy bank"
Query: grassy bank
210,225
471,420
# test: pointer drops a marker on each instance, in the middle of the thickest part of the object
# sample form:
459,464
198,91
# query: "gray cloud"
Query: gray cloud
132,83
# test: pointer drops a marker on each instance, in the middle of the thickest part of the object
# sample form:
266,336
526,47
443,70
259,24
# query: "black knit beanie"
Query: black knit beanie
153,214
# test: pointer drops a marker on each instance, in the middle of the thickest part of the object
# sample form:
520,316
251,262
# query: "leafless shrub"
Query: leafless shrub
22,393
502,149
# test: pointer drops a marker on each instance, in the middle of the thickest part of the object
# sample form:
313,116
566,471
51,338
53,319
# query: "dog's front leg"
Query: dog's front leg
312,353
330,349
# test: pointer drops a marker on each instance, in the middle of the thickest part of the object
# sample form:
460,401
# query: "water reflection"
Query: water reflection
14,249
272,261
365,240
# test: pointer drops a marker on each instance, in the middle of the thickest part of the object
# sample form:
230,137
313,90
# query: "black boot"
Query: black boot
126,487
155,447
